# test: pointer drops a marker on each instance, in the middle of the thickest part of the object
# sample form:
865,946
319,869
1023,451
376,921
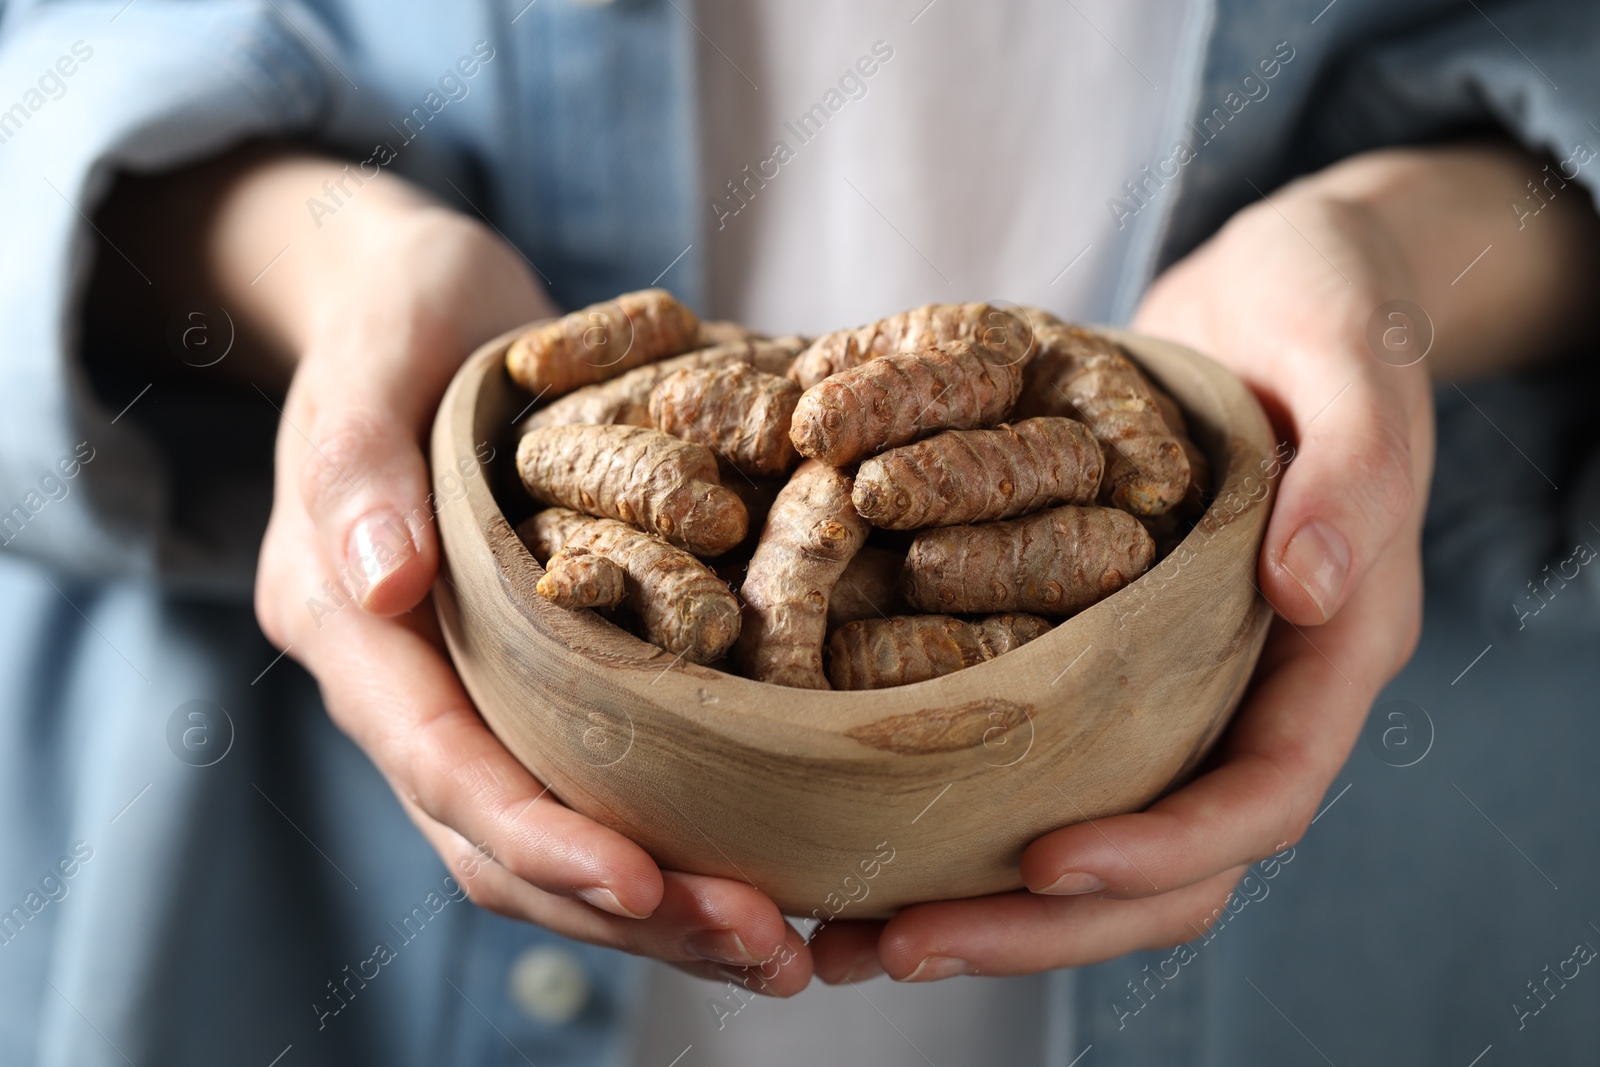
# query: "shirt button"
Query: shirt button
549,984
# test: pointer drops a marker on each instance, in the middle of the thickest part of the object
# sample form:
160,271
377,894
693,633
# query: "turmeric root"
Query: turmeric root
577,578
1088,377
740,413
626,400
601,341
810,536
1056,562
546,531
898,398
643,476
910,331
682,607
877,653
1171,413
1039,316
869,588
721,332
1197,498
965,476
1169,528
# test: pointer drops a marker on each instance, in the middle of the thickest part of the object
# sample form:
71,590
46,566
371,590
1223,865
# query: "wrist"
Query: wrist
1356,261
320,265
410,297
309,255
412,271
1498,291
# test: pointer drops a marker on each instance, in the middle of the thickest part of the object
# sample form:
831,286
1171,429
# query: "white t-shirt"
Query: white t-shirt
974,162
861,159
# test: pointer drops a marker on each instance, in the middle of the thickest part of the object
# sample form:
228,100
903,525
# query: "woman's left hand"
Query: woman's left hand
1282,300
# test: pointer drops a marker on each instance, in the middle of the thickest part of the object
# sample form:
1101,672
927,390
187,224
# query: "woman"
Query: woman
353,198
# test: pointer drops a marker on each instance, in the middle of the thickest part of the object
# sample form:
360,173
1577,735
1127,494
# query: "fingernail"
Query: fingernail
1072,883
605,900
1318,558
720,946
379,545
936,967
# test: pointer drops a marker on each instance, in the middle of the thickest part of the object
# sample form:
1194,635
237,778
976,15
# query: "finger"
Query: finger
784,974
734,922
358,470
1019,933
1288,741
1351,488
847,952
388,686
700,920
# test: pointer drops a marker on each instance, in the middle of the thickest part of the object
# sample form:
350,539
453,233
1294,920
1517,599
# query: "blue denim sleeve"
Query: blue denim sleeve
1526,68
87,90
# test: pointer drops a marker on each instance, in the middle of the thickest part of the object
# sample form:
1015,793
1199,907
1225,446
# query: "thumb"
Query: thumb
354,451
1350,488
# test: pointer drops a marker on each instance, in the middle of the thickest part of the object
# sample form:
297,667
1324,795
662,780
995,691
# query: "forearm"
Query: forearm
1502,288
298,247
264,251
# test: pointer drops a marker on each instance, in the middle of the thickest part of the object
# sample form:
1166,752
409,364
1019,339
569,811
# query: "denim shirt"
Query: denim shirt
218,910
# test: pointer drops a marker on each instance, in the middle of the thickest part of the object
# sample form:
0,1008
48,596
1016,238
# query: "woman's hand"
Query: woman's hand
372,311
1282,296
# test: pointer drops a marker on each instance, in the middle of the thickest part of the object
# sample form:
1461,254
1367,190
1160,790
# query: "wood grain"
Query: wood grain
804,793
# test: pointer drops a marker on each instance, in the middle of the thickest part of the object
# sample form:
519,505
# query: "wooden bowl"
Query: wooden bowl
856,804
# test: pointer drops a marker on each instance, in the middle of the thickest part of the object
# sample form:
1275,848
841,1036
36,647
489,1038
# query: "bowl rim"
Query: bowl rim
761,712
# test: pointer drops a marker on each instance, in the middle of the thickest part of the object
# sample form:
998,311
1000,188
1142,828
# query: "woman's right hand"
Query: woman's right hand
374,313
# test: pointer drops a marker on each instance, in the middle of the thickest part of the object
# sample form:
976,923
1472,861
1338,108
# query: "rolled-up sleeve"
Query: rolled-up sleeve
88,90
1527,68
